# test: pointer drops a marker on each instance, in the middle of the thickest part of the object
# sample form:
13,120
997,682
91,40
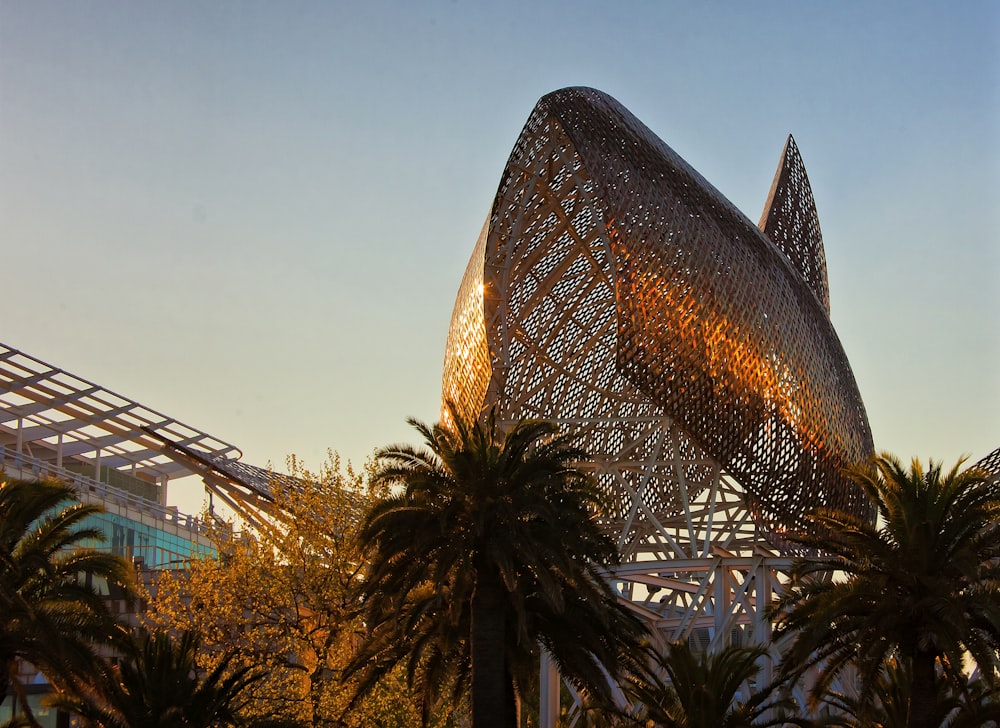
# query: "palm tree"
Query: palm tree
157,684
977,705
51,614
684,689
423,633
922,584
491,547
970,704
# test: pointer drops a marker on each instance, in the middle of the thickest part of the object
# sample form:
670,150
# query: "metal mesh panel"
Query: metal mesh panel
991,463
624,297
791,222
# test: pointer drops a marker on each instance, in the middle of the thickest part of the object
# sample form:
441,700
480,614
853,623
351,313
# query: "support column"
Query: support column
719,605
762,625
548,710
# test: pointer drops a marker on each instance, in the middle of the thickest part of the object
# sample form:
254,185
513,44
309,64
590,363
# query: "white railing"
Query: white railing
18,461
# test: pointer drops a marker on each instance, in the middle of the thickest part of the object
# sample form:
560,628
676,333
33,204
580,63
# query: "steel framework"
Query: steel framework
50,417
615,292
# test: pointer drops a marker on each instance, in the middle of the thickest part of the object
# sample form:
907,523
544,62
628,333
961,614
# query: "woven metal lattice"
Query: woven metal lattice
791,222
991,463
616,292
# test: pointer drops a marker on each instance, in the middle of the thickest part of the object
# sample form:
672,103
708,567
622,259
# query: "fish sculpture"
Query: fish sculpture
617,293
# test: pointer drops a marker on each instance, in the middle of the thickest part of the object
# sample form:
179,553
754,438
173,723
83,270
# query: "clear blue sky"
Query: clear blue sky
254,216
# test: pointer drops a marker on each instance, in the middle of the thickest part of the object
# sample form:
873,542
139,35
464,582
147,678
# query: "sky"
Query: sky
255,216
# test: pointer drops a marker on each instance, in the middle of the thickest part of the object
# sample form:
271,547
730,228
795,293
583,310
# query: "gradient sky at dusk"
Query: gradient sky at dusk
254,216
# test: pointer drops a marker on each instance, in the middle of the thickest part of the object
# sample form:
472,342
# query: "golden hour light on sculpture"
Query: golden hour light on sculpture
624,286
615,292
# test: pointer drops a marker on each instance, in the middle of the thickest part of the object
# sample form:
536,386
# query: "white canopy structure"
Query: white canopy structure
55,423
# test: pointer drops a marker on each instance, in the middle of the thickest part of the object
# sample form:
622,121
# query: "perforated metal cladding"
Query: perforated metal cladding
791,222
627,299
467,356
549,305
991,463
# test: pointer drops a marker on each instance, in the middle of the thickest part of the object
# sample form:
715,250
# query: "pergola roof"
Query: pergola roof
45,410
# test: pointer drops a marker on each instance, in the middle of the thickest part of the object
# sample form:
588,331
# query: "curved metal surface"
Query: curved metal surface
615,291
991,463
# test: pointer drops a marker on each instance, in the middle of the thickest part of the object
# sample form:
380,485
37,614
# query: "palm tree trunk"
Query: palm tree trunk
489,676
4,684
512,700
923,694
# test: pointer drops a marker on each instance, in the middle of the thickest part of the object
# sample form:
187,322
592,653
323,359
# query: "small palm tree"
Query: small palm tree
977,705
157,684
50,613
956,705
887,705
684,689
922,584
491,547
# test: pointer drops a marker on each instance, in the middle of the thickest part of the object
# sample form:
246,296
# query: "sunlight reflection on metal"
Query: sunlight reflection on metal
615,292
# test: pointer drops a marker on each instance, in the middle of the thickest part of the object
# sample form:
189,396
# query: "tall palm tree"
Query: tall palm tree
51,614
157,684
684,689
491,547
923,583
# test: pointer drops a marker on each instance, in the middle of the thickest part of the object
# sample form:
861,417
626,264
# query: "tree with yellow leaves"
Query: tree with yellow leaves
282,595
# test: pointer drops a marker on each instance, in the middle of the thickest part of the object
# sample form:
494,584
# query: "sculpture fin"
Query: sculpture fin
791,222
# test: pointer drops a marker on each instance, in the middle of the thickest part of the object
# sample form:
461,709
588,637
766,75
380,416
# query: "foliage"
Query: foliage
490,547
283,595
683,689
921,585
962,704
156,683
52,614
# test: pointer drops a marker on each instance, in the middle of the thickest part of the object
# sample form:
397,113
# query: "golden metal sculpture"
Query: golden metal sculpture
613,290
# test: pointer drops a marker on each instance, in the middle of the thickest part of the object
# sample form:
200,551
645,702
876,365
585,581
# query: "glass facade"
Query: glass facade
46,717
156,548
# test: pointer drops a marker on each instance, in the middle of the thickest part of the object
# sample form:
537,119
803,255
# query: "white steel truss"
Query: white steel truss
51,419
